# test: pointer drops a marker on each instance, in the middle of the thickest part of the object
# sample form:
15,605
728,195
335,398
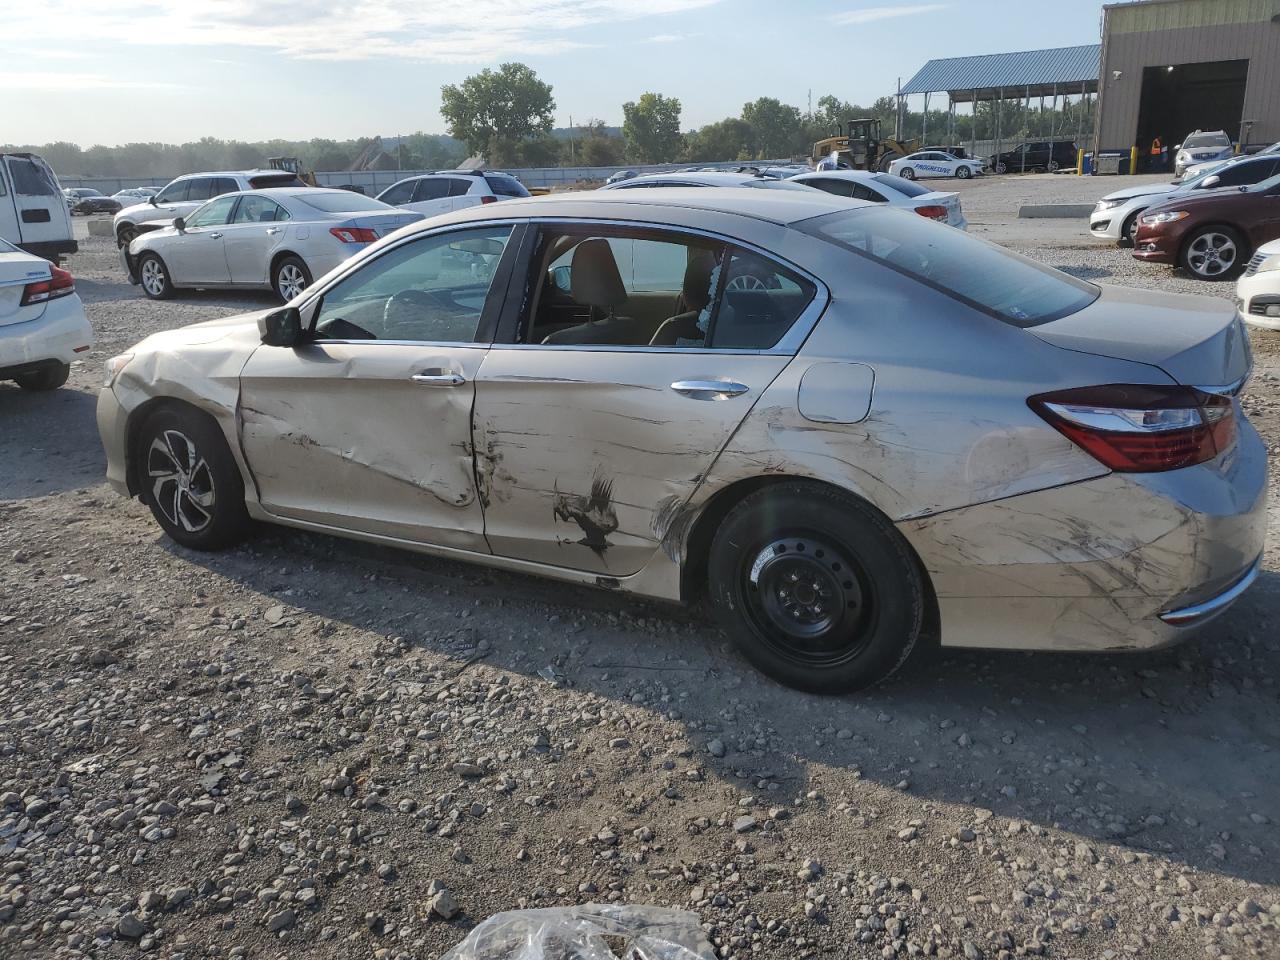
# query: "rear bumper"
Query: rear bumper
60,335
1121,562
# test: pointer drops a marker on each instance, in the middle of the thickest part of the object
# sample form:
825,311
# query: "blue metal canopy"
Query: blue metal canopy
1036,73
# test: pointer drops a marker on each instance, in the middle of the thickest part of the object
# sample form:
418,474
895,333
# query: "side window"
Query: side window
1245,174
862,192
199,188
257,209
458,187
213,214
431,290
761,301
29,180
833,185
175,192
223,185
431,188
399,193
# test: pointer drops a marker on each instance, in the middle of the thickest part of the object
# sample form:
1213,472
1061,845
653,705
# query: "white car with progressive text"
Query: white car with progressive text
933,163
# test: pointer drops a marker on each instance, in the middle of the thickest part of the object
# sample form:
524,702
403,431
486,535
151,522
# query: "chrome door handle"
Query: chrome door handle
272,231
709,389
439,379
215,236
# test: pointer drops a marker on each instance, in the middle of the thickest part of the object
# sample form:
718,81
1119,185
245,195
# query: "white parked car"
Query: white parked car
130,196
277,239
1258,289
709,178
1198,168
183,195
448,190
1116,215
934,163
33,210
888,189
1199,147
42,322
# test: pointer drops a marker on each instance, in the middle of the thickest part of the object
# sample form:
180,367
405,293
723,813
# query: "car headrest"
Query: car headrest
594,279
697,279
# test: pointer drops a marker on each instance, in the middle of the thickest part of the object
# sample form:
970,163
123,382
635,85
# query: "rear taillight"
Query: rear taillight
59,284
354,234
1136,428
489,198
934,211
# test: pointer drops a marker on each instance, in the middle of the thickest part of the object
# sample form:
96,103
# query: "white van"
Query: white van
33,212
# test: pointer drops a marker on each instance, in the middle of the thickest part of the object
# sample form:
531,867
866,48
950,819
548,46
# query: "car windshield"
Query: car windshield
339,201
990,278
1206,140
901,184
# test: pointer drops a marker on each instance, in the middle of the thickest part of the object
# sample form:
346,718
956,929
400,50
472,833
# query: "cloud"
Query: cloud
872,14
473,32
665,38
82,82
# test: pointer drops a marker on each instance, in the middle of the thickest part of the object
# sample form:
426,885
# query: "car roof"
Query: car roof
841,174
234,173
783,207
717,178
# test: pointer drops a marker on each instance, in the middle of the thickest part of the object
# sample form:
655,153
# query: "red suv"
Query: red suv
1210,236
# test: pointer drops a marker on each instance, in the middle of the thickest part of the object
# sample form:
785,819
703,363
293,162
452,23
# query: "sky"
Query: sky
117,71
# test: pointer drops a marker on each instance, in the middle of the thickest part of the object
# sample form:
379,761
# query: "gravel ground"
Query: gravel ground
312,748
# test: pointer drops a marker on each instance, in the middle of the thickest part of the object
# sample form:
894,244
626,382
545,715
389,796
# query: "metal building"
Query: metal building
1170,67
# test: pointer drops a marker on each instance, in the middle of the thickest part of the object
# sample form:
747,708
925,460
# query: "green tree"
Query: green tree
494,111
651,128
728,139
776,128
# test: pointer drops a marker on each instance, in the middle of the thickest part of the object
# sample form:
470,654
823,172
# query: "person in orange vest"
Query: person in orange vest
1157,154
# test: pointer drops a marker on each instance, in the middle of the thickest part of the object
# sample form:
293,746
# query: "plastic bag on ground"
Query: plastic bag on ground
589,932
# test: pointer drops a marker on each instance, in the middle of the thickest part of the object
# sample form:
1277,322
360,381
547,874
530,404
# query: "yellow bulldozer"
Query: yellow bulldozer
860,147
293,165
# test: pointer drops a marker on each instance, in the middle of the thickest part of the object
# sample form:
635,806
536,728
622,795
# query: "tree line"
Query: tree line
506,116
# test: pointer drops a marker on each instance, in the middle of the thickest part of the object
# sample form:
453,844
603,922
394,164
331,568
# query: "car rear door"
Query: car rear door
431,196
255,230
585,452
42,213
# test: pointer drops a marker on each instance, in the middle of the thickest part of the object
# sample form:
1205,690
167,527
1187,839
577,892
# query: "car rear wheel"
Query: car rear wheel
291,277
907,173
816,589
153,276
190,480
964,173
1002,168
1052,166
49,377
1214,253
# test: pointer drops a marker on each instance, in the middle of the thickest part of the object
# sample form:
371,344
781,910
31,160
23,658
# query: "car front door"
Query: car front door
587,446
195,255
366,427
255,230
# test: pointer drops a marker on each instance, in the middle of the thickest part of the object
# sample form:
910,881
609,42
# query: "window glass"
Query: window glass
1244,174
255,209
200,188
1220,140
212,214
401,192
902,185
862,192
29,179
458,187
505,185
265,180
832,185
223,185
430,290
431,188
175,192
1009,287
761,300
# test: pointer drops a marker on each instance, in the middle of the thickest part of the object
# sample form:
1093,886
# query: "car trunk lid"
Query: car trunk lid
1199,341
16,271
939,198
383,223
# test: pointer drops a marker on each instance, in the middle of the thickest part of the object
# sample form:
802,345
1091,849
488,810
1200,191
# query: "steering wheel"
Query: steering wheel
404,308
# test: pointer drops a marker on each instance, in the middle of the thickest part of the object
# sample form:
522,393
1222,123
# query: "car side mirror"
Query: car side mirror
1210,183
180,225
281,328
1178,147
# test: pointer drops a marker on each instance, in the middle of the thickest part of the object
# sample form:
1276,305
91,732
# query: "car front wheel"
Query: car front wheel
1214,253
153,276
190,480
816,589
964,173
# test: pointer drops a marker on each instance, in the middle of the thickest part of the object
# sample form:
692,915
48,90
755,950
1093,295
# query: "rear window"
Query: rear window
505,186
266,180
30,178
901,184
989,278
339,201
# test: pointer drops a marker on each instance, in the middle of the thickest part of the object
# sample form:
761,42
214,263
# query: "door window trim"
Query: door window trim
788,346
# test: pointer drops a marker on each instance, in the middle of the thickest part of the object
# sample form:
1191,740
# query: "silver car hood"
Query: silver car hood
1198,341
1128,193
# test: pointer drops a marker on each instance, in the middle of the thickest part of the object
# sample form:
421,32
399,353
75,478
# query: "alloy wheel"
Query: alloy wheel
290,281
1212,254
181,481
808,600
152,277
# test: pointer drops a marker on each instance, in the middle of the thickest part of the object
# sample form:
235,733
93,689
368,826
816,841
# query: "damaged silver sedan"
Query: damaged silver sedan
847,427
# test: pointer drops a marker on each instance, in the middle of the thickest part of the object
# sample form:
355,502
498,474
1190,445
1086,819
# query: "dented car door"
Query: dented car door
367,425
586,451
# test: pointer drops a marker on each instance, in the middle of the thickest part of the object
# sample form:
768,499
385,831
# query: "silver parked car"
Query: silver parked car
846,424
279,239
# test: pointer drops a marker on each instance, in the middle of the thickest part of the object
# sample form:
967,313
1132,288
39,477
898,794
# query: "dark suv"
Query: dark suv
1035,156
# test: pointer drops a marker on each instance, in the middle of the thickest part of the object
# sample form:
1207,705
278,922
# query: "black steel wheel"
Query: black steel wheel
816,588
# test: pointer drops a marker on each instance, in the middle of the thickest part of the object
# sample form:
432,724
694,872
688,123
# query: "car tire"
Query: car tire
1001,168
1214,252
1129,228
1052,166
290,274
49,377
190,480
888,160
153,276
126,235
816,588
907,173
964,173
